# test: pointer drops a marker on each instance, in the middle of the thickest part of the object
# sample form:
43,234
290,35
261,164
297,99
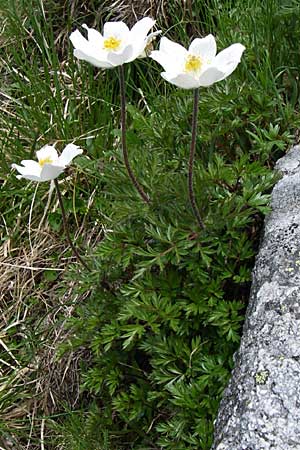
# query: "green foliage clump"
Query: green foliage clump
165,314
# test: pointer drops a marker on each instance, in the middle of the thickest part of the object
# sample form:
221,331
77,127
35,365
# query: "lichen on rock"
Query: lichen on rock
260,407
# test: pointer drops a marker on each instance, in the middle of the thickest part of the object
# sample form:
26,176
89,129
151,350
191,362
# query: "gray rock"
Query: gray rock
260,409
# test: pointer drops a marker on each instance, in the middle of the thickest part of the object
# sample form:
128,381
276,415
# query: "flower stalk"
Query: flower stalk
63,212
191,160
132,177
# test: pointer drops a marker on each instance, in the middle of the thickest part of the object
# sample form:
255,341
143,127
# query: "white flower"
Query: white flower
49,165
199,65
117,45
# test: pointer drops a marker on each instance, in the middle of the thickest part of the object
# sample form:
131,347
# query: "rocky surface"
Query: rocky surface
260,409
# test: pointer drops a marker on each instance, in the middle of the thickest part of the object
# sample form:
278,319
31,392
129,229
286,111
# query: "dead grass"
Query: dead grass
127,10
33,311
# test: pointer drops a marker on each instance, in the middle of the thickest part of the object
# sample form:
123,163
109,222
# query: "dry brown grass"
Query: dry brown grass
126,10
33,312
95,14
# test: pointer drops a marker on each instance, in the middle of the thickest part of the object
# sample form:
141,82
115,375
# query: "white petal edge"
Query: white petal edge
117,59
27,172
168,61
142,27
152,36
88,51
95,45
182,80
229,57
206,47
68,154
30,177
92,60
94,37
172,48
138,36
229,69
29,167
158,56
78,40
50,172
210,76
117,29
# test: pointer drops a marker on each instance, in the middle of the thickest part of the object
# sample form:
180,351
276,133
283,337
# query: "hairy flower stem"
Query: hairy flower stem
191,160
124,146
63,212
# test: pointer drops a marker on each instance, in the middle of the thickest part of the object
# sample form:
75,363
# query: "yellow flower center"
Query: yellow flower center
47,160
193,63
112,43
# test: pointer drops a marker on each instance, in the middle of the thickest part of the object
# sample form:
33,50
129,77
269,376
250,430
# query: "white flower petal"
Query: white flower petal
153,35
116,29
92,60
142,27
89,51
94,37
206,47
78,40
95,47
91,47
50,172
31,166
138,36
172,48
169,61
137,48
228,59
162,59
170,55
210,76
68,154
30,170
182,80
119,58
229,69
48,151
29,177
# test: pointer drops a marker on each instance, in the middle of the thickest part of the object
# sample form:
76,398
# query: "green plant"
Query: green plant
153,328
166,311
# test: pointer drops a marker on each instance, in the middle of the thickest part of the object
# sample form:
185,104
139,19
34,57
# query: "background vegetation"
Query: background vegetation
136,354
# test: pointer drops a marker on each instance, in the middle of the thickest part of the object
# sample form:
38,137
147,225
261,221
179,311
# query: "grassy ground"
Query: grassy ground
53,313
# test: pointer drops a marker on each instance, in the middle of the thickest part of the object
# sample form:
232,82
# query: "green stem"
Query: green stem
191,160
123,140
63,212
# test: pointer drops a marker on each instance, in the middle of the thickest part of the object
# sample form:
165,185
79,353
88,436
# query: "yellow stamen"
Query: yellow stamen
193,63
47,160
112,43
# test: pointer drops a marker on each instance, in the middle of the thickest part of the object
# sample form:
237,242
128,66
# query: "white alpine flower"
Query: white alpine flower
49,165
199,65
117,45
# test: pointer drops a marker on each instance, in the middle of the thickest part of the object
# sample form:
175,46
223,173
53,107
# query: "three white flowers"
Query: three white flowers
187,69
